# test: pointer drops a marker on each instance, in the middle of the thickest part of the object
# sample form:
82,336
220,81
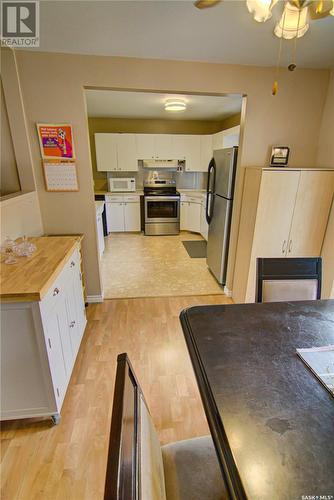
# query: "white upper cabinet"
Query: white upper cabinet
218,140
127,153
145,146
231,137
163,146
188,148
106,152
206,152
116,152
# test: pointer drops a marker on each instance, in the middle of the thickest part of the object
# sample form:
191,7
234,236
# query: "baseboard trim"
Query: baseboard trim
227,291
94,299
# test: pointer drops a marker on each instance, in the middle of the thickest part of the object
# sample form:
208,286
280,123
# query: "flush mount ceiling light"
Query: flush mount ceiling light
175,105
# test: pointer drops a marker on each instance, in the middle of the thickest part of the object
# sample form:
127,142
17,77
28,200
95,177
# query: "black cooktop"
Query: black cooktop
163,191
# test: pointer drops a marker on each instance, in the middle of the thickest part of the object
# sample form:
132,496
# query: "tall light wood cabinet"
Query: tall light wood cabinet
284,214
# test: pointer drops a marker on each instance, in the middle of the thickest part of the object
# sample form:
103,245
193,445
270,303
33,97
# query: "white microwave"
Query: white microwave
122,184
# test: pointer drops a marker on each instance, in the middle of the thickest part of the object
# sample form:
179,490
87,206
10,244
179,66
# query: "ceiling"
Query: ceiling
144,105
169,29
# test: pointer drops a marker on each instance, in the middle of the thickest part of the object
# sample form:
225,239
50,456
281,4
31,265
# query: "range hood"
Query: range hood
157,163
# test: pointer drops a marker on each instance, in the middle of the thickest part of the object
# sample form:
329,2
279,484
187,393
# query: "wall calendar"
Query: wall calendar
60,175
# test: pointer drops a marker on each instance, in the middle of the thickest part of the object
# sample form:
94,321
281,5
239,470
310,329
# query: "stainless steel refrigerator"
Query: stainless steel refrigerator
219,204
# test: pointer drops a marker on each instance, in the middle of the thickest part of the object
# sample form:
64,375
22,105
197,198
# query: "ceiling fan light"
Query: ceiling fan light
332,10
175,105
261,9
293,23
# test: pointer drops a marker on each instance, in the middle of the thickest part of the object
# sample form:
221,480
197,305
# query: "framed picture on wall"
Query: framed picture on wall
56,141
279,156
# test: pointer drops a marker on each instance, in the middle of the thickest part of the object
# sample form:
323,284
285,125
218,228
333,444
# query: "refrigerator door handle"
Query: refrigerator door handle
210,189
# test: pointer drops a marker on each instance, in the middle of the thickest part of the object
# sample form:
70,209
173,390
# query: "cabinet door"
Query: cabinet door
132,216
231,137
188,147
184,216
313,203
218,140
206,152
163,146
127,153
277,196
72,318
115,217
194,217
144,146
106,152
54,330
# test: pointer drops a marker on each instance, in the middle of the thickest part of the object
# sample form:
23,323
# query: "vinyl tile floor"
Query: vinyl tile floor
135,265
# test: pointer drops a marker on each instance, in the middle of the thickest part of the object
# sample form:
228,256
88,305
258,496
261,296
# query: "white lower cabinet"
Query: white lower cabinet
40,342
123,213
191,214
204,224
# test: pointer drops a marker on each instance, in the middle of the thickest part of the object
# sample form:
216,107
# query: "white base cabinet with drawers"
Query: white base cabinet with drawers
40,342
123,213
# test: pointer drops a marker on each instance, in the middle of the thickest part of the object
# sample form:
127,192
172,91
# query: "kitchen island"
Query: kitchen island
271,420
43,319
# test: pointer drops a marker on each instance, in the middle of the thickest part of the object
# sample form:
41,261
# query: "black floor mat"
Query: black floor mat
195,249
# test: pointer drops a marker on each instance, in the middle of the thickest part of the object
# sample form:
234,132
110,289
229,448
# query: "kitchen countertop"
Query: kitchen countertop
271,419
139,192
31,277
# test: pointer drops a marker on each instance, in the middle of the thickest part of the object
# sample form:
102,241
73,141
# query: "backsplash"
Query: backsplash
184,180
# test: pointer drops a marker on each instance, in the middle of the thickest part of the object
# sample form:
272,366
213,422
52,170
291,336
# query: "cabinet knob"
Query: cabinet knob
72,324
55,291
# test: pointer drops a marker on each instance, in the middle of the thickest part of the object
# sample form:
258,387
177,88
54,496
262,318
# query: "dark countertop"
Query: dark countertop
272,421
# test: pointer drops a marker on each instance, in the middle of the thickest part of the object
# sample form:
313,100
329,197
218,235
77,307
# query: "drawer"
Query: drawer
132,198
114,198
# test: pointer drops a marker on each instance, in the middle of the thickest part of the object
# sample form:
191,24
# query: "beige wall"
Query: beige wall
325,152
52,86
139,126
20,213
9,176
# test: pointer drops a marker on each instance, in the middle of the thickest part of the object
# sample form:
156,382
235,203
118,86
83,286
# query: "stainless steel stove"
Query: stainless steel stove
162,205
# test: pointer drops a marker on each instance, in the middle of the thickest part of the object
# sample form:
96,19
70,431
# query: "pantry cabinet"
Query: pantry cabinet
284,214
123,213
42,328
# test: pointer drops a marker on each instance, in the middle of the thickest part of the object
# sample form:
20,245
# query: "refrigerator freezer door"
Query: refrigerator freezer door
225,171
219,231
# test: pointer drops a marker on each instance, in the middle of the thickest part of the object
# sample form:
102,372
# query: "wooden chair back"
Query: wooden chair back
281,279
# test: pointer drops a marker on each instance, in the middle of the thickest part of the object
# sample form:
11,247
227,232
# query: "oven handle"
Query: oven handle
162,198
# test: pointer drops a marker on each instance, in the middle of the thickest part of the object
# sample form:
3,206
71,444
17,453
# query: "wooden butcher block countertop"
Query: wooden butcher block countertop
31,277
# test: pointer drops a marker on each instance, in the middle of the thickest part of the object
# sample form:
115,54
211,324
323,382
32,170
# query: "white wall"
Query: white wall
20,215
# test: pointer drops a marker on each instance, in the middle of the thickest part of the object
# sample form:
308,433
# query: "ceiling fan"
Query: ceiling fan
293,23
294,20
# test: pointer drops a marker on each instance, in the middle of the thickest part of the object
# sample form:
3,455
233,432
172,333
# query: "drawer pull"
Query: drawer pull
290,246
72,264
284,247
55,291
72,324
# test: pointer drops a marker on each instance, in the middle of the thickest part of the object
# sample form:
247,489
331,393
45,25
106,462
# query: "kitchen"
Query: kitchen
150,157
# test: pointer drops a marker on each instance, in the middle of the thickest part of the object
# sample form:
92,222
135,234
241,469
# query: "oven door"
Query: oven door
162,209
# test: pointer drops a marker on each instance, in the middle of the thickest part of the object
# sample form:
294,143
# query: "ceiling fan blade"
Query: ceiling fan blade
320,9
205,4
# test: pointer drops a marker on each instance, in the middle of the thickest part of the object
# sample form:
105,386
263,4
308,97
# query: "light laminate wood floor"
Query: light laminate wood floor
68,461
135,265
